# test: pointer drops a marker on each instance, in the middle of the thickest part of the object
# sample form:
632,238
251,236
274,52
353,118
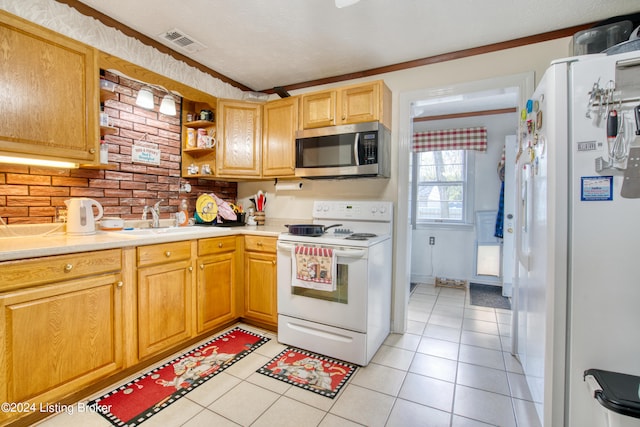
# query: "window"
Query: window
442,187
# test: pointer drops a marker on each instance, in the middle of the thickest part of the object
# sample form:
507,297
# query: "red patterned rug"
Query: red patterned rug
135,402
309,371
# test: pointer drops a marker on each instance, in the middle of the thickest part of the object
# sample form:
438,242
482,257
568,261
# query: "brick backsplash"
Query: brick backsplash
30,195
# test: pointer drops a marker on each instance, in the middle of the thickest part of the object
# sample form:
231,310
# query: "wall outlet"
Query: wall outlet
432,240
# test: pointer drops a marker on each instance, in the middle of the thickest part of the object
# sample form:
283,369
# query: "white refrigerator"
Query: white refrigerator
577,287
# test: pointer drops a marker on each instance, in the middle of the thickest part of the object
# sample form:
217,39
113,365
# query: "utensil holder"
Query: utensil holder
259,216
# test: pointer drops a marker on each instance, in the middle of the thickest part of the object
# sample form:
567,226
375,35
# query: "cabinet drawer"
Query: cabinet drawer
155,254
260,244
216,245
39,271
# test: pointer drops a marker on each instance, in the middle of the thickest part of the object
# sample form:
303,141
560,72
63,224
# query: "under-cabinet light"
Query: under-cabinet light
168,105
344,3
38,162
145,98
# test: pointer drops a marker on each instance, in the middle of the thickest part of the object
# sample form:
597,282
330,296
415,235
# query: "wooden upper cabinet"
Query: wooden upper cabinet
280,122
319,109
239,153
359,103
50,96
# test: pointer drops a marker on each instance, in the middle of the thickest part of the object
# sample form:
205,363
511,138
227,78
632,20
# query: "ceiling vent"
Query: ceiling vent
181,40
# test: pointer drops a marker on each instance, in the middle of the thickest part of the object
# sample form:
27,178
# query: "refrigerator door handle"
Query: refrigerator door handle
525,212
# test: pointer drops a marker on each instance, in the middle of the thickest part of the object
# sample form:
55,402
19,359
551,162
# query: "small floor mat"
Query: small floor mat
488,296
310,371
140,399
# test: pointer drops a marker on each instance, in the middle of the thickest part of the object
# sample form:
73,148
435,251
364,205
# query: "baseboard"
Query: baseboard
486,281
430,280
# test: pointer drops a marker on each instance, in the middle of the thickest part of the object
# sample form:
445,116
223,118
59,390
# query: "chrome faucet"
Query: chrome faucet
155,214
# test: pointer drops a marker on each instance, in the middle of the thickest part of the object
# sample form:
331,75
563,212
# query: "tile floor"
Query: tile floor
451,368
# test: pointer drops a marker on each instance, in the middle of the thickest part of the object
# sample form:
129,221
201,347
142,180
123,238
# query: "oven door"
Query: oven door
343,308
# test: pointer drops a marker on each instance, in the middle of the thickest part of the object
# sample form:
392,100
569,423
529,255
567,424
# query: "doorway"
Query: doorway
442,100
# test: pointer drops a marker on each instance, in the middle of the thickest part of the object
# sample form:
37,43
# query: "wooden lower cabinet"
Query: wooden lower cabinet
164,296
216,276
260,297
64,331
70,321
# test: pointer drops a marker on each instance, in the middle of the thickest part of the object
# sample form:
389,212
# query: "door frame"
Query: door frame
525,83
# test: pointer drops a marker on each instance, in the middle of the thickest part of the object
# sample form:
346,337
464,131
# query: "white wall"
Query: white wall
428,262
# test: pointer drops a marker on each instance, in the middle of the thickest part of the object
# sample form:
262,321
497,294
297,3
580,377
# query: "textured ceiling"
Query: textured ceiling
267,43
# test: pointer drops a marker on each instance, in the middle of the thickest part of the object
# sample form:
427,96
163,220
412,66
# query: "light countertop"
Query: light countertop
20,242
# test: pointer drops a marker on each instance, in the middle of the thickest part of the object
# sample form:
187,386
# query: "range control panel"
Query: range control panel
359,210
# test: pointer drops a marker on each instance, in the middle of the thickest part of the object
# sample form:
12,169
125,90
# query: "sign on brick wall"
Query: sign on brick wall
143,153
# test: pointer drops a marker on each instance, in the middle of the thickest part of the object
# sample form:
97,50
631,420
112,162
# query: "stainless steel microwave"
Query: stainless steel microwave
346,151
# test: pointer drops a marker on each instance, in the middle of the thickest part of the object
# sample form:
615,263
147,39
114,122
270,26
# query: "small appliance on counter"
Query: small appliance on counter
80,218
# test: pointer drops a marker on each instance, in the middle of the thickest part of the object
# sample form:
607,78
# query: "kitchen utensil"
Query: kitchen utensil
261,201
111,223
80,218
309,229
206,209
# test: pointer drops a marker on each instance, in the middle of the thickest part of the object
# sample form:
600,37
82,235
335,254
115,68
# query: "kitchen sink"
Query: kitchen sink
161,230
146,231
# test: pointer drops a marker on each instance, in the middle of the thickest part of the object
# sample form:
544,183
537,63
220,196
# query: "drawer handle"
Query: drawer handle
190,268
220,245
273,262
259,243
167,254
119,284
68,268
201,266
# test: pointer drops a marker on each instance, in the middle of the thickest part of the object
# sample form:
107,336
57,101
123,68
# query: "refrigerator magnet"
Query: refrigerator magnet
539,119
596,188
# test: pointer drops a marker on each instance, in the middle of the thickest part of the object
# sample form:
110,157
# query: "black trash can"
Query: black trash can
618,393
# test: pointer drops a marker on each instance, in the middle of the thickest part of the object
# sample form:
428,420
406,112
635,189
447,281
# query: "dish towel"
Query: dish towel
314,268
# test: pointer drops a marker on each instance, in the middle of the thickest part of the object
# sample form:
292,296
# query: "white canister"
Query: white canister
104,119
104,152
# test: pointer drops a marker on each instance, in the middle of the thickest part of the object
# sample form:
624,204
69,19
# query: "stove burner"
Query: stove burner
360,236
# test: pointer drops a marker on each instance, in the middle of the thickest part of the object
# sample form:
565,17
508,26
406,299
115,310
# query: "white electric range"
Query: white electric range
350,320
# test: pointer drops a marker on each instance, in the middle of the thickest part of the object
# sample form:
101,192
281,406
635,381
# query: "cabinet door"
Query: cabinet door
260,287
164,306
360,104
319,109
239,143
279,137
50,93
215,298
59,338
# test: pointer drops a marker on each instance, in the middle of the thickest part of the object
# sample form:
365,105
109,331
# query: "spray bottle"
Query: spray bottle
182,217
